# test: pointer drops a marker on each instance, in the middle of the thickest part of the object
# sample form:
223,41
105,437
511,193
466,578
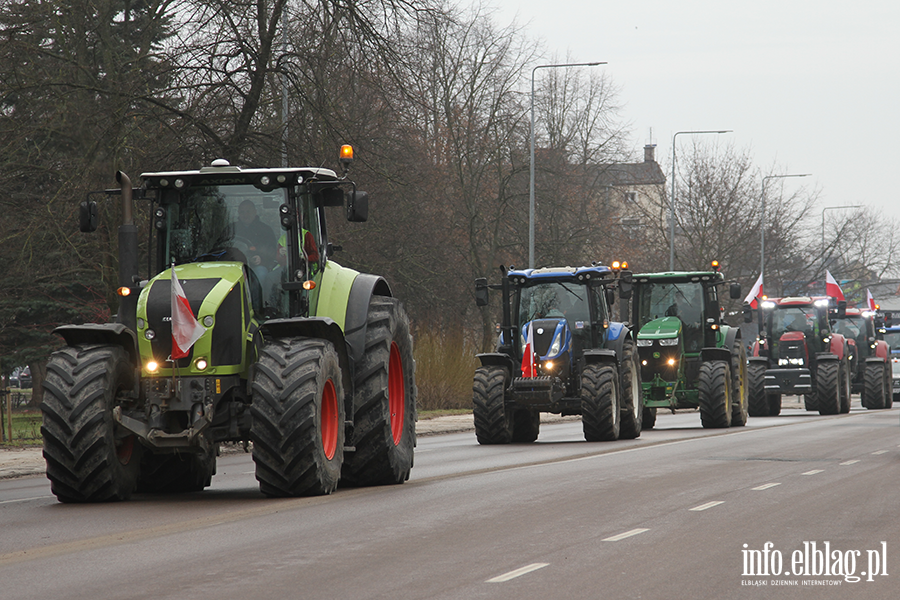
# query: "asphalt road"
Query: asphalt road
666,516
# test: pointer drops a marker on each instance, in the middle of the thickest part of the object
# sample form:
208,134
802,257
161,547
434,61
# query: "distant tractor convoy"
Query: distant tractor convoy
242,329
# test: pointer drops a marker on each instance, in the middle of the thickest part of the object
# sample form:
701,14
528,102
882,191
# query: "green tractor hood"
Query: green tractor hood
220,300
662,328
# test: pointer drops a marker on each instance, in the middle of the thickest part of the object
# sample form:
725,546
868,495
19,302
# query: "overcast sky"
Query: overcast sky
807,87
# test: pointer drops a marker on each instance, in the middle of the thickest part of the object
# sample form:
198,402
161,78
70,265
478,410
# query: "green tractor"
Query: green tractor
243,329
689,357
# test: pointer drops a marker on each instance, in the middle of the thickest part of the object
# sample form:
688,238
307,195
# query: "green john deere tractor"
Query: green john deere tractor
242,329
689,357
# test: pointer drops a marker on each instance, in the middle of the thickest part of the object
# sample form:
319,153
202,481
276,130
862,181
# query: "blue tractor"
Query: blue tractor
559,352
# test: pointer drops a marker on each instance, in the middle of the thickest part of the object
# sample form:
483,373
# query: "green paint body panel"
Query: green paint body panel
332,292
229,274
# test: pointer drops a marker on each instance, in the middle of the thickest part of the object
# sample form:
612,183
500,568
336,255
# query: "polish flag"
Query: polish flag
832,288
870,300
756,292
528,355
186,330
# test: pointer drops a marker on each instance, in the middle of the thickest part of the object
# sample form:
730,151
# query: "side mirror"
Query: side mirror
481,291
626,285
734,290
888,319
87,217
358,207
748,313
842,309
610,296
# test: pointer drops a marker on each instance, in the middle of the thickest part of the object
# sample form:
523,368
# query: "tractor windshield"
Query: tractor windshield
853,328
226,222
793,318
682,300
555,300
893,339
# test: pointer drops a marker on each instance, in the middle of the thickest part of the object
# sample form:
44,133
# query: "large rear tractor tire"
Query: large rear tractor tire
298,418
385,413
757,402
526,425
739,391
493,420
846,378
177,472
632,396
600,408
89,457
828,387
714,385
873,396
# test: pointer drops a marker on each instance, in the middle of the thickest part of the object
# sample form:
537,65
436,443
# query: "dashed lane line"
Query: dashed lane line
24,499
765,486
707,505
813,472
622,536
849,462
517,573
879,452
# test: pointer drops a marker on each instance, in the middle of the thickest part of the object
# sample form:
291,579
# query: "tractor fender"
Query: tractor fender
113,334
364,287
594,357
758,359
838,345
496,359
617,334
708,354
313,327
875,360
882,351
616,330
827,356
731,334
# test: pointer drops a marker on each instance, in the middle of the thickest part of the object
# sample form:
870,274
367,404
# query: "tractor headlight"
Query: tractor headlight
644,343
556,345
669,342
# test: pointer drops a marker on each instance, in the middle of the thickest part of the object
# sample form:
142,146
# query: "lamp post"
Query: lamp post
823,221
672,201
531,180
762,229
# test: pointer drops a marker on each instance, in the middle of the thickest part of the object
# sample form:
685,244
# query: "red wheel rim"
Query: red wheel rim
330,422
124,449
396,393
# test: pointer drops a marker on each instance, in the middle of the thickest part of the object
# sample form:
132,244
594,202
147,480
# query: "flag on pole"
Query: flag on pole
832,288
756,292
870,300
528,355
186,330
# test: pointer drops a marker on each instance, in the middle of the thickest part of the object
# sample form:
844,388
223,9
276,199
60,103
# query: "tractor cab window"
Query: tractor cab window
556,301
893,339
793,318
852,328
682,300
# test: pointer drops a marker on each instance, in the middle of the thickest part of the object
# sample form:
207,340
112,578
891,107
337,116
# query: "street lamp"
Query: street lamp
531,182
823,220
762,229
672,202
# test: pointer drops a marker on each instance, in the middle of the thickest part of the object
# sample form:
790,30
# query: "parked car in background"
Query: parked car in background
24,378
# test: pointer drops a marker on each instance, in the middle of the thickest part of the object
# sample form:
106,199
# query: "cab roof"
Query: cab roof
222,173
561,273
679,276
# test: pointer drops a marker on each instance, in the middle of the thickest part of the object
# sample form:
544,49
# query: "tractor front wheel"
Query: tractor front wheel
632,401
757,401
89,457
828,387
600,403
739,402
493,419
845,386
385,414
873,396
714,387
649,419
298,418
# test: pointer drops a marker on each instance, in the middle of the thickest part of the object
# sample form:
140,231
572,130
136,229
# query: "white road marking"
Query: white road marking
25,499
813,472
764,486
880,452
708,505
517,573
849,462
622,536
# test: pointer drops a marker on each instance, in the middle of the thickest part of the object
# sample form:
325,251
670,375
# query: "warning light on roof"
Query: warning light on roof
346,153
715,265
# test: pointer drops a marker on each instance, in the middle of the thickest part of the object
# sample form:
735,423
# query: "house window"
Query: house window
631,222
630,197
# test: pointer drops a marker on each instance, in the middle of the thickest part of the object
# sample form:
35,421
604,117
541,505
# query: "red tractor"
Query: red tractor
870,362
799,353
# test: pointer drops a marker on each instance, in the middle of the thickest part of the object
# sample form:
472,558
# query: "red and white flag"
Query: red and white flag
186,330
832,288
528,354
756,292
870,300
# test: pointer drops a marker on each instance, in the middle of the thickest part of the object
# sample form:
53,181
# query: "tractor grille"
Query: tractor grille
543,340
159,313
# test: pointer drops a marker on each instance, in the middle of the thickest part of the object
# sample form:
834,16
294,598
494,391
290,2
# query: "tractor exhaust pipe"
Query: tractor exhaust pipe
128,255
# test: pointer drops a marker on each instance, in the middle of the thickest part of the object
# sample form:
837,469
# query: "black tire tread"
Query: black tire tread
493,424
600,403
714,391
631,402
828,393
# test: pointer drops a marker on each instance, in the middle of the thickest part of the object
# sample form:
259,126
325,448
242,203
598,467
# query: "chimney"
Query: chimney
649,151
